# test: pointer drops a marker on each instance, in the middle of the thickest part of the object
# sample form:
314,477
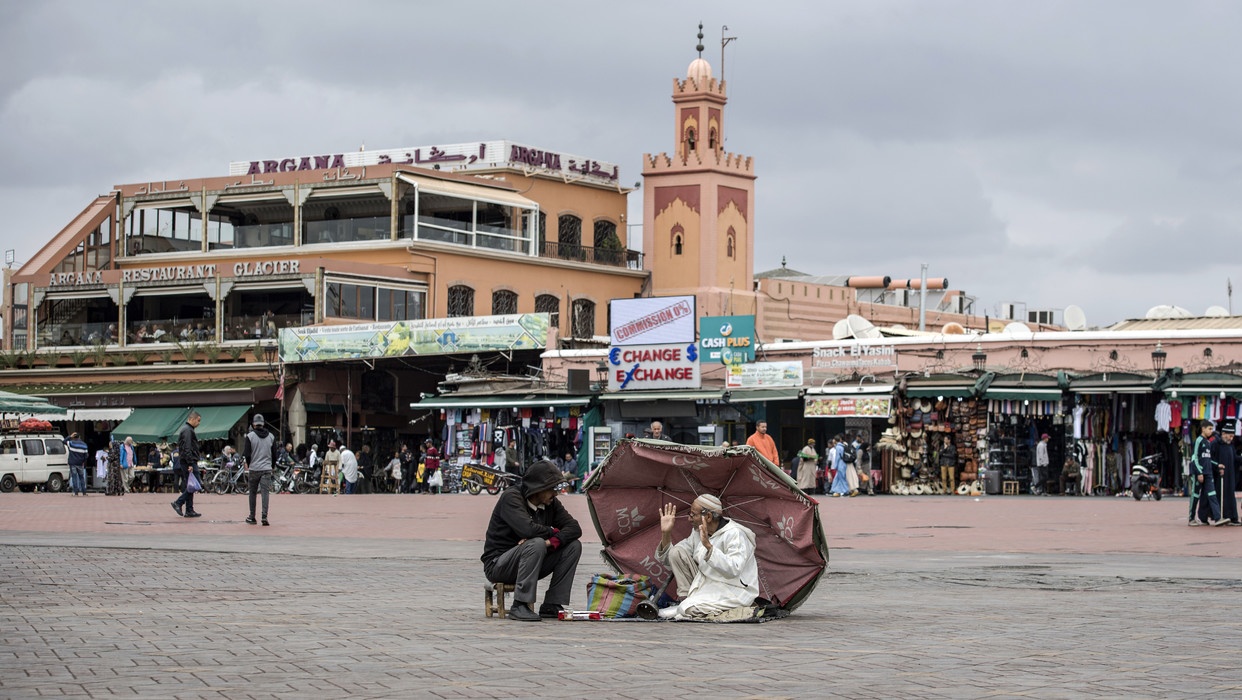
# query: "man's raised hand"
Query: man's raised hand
668,516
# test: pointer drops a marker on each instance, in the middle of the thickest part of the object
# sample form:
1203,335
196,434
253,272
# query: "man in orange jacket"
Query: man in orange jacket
761,441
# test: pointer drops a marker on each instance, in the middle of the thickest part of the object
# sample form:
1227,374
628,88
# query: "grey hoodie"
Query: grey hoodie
260,449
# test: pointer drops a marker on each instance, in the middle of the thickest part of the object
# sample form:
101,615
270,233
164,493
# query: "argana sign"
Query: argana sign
651,321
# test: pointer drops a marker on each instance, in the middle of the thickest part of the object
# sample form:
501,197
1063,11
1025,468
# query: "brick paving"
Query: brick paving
381,596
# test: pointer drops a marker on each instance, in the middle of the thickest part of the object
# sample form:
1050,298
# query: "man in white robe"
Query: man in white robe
715,565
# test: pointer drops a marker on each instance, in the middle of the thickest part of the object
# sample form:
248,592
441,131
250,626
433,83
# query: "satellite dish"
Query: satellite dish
861,328
841,330
1166,311
1216,311
1017,328
953,328
1075,319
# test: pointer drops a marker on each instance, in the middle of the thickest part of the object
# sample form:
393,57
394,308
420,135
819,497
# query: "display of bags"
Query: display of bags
192,485
617,596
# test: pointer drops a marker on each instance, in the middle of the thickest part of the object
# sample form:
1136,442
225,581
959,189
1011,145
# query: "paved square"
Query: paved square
381,596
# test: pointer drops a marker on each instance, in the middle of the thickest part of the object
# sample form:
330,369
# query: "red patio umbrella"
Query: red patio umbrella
626,492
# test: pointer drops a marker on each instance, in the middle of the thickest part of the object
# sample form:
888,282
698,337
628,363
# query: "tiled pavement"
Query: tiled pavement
380,596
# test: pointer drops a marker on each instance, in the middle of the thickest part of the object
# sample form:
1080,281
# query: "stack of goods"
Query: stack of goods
34,425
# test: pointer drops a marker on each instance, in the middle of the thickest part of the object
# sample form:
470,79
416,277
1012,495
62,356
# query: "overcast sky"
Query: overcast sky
1048,153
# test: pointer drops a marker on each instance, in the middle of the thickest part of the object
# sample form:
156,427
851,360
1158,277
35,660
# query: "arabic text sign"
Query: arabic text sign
420,337
634,367
458,156
651,321
839,406
727,339
763,374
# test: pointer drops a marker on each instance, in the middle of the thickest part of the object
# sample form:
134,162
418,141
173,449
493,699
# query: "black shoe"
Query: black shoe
251,521
550,612
522,613
194,515
177,507
265,522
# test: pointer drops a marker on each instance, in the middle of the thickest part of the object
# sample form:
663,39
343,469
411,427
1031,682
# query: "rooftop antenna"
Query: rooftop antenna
699,48
1229,286
724,41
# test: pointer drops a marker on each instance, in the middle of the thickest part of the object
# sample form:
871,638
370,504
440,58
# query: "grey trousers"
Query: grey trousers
259,481
530,561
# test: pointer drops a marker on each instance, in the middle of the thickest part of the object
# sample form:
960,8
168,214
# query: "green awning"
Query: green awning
218,421
1021,394
751,395
930,392
494,401
21,404
151,424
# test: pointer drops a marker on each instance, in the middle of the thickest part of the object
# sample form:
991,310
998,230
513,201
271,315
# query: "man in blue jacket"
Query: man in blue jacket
78,454
530,536
1203,501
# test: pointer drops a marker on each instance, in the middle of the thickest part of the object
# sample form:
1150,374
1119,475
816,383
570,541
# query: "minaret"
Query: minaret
698,203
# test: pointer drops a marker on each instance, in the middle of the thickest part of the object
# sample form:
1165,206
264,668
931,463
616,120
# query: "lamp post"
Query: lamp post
980,358
601,376
271,357
1158,358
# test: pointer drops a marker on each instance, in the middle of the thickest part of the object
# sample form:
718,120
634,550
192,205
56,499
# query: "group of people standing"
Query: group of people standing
1213,477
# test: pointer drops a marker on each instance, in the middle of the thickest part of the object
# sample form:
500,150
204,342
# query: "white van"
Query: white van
27,459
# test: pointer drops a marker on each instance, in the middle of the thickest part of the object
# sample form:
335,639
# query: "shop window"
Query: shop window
379,392
583,325
504,302
460,301
551,305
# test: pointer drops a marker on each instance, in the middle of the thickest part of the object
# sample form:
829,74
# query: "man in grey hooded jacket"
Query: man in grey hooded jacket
259,455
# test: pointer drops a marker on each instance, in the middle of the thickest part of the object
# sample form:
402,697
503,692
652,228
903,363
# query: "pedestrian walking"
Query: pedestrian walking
409,468
808,462
349,470
79,453
187,446
129,460
1225,456
763,443
432,467
1204,506
1039,472
259,455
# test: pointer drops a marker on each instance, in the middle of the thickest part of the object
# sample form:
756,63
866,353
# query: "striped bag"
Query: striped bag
617,596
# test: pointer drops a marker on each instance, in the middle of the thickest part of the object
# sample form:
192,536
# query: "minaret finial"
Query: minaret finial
699,48
782,261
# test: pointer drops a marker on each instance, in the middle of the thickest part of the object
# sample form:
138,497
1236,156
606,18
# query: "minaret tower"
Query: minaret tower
698,203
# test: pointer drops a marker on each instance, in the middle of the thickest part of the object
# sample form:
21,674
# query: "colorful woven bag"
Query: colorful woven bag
617,596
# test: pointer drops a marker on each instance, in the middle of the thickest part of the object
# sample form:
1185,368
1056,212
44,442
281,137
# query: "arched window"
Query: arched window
677,233
551,305
569,236
583,318
504,302
711,138
460,301
607,246
691,140
731,243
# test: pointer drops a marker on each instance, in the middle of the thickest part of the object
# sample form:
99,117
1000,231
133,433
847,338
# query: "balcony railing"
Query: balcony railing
631,259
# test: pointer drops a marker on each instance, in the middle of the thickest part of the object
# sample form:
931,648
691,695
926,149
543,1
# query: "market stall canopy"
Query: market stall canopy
1111,383
948,386
217,421
151,424
494,401
1023,387
1207,384
20,405
638,477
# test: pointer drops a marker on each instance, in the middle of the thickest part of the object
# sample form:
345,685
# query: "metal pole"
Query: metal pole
923,299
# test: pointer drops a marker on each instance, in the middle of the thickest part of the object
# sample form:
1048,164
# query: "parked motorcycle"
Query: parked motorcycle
1145,477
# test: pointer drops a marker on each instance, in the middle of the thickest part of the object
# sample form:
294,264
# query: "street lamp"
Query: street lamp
601,373
269,356
980,358
1158,357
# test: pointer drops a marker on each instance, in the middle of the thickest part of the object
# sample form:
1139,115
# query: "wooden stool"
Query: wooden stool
494,598
329,482
1009,488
